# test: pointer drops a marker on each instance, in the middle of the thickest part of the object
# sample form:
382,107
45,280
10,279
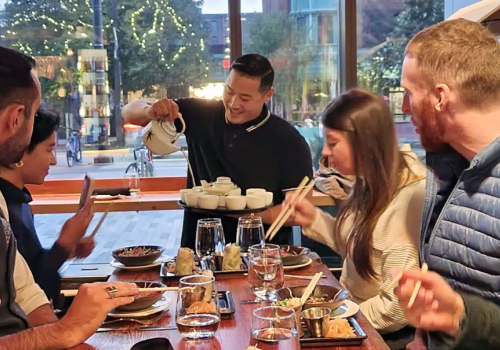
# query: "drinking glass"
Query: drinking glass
274,328
198,313
209,238
265,273
250,232
133,183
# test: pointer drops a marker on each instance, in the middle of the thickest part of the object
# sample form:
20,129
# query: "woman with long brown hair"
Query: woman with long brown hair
378,226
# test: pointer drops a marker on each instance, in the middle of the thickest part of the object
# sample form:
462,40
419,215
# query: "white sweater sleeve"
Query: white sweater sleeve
323,230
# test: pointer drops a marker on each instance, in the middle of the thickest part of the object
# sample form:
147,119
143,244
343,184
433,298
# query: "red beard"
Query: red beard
430,128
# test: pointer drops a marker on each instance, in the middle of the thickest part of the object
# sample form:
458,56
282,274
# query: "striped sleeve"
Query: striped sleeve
383,310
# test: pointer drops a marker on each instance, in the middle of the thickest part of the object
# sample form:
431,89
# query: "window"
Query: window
383,31
325,29
301,22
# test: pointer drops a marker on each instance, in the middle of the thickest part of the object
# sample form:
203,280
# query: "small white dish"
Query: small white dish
267,195
251,191
156,263
236,192
183,193
224,180
105,197
255,201
296,267
192,199
224,186
208,201
157,307
347,309
222,201
236,202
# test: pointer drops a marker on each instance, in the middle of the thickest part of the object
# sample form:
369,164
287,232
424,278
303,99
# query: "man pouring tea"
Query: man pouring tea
237,137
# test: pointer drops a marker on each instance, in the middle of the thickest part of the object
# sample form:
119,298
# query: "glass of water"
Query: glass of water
133,183
209,238
274,328
265,273
197,314
250,232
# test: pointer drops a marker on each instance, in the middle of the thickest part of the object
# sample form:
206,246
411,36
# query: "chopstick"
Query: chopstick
302,277
101,220
417,287
310,287
285,208
74,292
295,198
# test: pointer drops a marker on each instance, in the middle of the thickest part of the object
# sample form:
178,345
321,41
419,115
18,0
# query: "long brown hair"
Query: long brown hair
378,165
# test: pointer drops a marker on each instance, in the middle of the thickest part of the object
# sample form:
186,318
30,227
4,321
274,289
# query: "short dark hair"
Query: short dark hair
16,81
46,123
255,65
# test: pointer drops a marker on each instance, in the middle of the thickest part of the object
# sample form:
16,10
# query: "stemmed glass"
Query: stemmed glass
250,232
209,238
265,273
274,328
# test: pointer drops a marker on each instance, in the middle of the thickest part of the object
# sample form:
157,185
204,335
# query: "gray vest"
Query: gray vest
12,318
461,222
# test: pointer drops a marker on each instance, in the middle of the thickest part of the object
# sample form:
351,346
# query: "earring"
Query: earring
19,164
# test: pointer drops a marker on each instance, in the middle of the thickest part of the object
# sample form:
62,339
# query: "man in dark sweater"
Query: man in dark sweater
32,170
237,137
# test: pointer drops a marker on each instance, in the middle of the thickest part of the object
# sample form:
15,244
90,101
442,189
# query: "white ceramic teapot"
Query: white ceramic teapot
161,137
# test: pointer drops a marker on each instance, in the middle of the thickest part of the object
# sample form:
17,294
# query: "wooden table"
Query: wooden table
234,333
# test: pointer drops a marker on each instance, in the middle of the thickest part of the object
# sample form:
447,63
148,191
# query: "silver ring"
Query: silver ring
112,290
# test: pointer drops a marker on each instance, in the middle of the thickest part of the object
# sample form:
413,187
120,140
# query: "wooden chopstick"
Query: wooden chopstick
101,220
74,292
417,287
310,287
290,210
286,207
302,277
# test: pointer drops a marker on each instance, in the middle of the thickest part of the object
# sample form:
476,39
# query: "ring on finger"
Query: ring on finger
111,290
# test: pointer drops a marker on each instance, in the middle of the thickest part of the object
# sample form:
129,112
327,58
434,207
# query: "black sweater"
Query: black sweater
44,263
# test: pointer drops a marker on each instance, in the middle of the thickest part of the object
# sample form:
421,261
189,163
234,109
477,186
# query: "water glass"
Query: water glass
197,313
265,273
209,238
250,232
274,328
133,183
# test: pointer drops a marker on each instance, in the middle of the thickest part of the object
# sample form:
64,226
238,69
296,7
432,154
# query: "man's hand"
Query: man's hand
90,308
75,228
84,247
164,109
437,306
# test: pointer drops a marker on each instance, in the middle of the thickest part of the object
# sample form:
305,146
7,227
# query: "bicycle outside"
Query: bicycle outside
143,163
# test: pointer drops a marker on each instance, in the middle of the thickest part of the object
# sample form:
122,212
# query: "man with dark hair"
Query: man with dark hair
237,137
32,170
22,303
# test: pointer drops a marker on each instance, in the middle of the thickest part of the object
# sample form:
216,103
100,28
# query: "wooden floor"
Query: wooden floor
120,229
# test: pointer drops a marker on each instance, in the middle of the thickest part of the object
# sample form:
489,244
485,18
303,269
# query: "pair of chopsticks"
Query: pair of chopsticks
74,292
287,210
310,287
396,280
101,220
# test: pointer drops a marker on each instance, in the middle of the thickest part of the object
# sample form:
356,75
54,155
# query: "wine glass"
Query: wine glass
250,232
265,273
197,314
274,328
209,238
133,183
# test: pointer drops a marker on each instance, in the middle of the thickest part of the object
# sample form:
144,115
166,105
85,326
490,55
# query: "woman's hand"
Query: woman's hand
304,212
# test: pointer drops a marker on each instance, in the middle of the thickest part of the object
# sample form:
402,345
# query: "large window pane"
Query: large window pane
384,28
300,38
173,48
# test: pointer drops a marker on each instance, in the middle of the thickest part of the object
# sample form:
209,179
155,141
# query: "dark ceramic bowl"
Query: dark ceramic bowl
144,302
298,255
138,260
153,344
330,293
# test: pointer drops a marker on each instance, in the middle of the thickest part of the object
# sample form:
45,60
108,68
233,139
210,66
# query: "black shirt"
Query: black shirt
44,263
266,152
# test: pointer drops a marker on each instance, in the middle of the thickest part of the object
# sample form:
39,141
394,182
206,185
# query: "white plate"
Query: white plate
296,267
159,306
347,309
155,263
105,197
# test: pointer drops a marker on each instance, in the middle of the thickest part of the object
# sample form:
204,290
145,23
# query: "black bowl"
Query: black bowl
300,256
153,344
142,303
138,260
331,293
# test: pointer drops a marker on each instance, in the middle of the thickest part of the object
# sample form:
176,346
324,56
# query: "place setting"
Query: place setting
138,258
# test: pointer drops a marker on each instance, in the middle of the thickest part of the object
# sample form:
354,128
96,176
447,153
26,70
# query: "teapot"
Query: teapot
161,137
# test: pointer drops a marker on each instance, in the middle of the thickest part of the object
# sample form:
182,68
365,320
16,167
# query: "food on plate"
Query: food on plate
284,252
146,294
314,299
232,258
137,251
338,328
202,307
292,302
184,262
